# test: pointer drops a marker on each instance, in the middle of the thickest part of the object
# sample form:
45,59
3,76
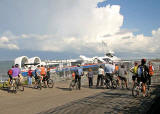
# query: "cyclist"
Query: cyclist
109,70
151,71
143,73
15,72
43,74
48,73
37,74
79,73
134,71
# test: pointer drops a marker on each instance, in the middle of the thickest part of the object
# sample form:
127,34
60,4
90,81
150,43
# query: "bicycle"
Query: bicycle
16,85
38,84
73,85
138,88
110,84
50,83
122,82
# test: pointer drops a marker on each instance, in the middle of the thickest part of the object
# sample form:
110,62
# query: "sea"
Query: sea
4,66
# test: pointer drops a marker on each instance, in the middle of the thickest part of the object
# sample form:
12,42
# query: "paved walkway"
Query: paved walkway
110,101
60,100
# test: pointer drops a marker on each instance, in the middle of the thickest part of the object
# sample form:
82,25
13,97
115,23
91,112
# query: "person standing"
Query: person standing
10,74
30,77
90,77
134,71
143,73
79,73
151,71
122,75
109,70
100,76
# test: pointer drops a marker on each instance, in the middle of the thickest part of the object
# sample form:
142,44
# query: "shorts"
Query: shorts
45,78
143,79
134,77
36,78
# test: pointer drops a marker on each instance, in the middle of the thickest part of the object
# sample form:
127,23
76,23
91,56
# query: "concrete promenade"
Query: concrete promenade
60,100
110,101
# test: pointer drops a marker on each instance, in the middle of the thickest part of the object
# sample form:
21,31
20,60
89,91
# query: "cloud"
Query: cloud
75,25
4,39
80,27
5,43
127,42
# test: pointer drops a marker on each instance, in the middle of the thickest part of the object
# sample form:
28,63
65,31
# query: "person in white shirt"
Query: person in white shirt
100,76
109,71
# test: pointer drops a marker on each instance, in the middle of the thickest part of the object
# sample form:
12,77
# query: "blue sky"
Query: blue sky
78,27
141,15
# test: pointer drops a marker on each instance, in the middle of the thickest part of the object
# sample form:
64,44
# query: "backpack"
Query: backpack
142,72
10,72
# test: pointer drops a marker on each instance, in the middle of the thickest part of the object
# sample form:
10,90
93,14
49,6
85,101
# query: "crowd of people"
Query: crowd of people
40,72
141,73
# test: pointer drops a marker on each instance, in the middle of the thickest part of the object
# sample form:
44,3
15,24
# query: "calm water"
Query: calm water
4,66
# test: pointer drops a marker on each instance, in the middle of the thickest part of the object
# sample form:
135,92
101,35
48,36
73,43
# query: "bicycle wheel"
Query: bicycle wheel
13,89
108,85
20,87
135,90
77,83
114,84
39,84
50,83
122,84
71,85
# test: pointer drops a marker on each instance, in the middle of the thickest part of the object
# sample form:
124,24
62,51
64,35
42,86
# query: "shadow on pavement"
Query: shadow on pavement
64,89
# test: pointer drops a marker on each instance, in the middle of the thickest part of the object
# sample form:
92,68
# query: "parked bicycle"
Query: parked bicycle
73,85
110,84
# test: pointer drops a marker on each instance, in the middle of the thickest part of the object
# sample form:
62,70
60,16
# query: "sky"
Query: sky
56,29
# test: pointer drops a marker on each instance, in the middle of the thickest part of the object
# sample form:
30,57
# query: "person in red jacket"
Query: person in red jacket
30,77
10,74
151,71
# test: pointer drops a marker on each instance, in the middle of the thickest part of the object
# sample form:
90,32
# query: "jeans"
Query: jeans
100,77
90,80
29,80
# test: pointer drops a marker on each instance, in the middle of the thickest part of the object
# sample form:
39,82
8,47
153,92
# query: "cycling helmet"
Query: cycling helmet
78,65
143,61
16,65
